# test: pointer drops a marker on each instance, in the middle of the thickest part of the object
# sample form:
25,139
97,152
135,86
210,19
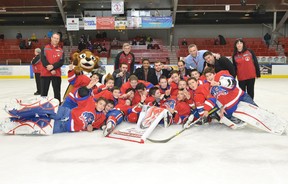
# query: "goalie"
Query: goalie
238,107
45,117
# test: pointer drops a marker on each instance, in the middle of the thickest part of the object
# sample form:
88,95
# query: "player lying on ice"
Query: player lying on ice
46,117
237,106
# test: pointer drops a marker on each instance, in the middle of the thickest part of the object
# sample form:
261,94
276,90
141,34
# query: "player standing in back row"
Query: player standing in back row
125,56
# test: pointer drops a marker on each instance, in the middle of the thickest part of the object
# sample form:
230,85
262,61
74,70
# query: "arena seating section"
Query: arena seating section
255,44
284,43
10,51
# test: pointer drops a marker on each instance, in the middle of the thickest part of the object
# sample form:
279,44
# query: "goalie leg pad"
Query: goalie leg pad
260,118
40,126
42,108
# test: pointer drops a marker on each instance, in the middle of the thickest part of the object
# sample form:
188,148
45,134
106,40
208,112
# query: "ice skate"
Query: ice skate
108,128
189,121
168,119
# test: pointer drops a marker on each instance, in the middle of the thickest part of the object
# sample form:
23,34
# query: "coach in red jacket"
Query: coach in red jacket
125,57
52,58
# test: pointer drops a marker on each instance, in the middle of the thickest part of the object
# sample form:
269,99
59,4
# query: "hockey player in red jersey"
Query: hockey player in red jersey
224,88
116,115
79,81
173,82
196,74
114,95
164,87
46,117
132,83
182,108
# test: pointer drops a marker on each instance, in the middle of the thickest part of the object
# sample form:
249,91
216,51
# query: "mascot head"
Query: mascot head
85,61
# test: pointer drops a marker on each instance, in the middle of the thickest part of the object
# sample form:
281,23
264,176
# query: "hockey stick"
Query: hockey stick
181,131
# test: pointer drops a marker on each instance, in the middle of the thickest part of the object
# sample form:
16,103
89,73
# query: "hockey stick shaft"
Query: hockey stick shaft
181,131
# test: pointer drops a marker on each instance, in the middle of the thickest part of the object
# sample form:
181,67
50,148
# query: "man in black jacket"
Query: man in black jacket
161,69
222,63
146,73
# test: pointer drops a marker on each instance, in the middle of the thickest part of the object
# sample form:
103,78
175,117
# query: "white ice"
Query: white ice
207,154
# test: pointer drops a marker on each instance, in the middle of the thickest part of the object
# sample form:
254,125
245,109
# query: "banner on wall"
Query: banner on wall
120,23
117,7
105,23
5,70
134,22
265,69
272,59
156,22
90,23
72,24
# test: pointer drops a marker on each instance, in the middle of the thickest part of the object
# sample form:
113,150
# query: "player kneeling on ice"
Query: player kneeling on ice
237,106
46,117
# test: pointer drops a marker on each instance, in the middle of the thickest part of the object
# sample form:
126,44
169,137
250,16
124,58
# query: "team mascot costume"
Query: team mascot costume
85,62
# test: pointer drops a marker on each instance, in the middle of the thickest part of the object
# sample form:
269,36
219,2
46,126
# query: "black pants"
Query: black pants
248,86
56,84
38,82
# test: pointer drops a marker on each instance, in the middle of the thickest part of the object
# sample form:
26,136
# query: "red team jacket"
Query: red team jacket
123,58
246,66
54,56
37,67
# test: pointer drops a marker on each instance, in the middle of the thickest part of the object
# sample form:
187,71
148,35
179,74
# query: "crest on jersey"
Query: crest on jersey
87,118
217,91
170,103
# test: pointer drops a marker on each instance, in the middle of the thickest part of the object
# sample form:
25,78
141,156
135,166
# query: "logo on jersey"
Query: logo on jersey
247,58
217,91
87,118
170,103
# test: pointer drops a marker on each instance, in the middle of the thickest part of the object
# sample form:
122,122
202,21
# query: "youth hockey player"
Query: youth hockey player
235,103
116,115
46,117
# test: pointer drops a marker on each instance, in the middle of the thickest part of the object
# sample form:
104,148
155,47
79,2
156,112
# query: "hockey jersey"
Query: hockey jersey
86,114
228,93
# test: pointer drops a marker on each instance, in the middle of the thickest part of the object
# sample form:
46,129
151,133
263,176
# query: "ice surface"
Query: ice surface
206,154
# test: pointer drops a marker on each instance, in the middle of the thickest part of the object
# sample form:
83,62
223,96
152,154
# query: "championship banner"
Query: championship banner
90,23
105,23
120,23
134,22
72,24
117,7
156,22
